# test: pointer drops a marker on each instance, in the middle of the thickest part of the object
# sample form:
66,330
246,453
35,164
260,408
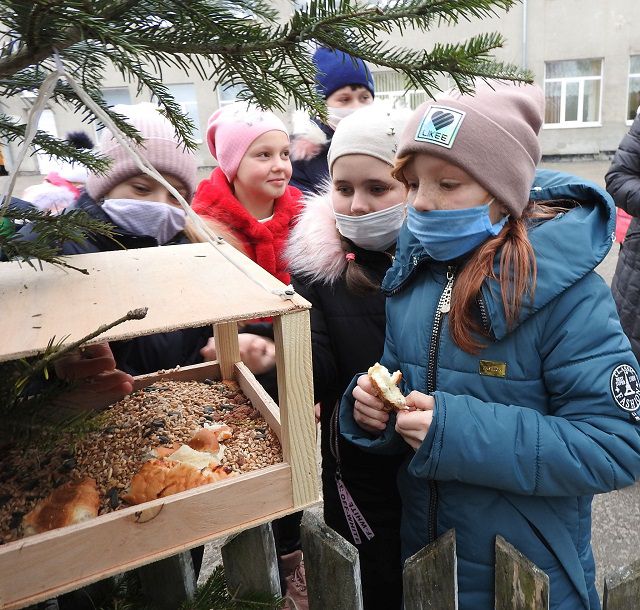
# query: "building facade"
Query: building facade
584,53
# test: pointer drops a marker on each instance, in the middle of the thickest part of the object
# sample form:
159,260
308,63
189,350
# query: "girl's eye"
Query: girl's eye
448,186
285,154
344,190
141,188
379,190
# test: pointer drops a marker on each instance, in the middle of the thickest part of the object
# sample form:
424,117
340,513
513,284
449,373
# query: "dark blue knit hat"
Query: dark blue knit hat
337,69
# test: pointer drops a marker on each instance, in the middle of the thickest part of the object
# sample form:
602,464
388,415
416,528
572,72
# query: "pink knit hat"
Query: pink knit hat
232,129
492,135
161,147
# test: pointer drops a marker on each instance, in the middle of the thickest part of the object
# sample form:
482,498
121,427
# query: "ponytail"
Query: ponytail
517,274
356,277
195,236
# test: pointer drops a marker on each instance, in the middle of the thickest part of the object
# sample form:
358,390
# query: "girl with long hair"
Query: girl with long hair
522,389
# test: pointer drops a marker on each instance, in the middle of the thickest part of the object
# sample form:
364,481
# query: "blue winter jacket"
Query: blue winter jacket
525,432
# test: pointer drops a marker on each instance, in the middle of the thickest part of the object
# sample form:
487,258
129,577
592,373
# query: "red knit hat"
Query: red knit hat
492,135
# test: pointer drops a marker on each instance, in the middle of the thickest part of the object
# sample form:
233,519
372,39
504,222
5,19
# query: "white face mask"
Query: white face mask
376,231
146,218
335,115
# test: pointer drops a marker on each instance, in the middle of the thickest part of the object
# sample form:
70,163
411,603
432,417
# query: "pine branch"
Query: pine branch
52,231
19,405
231,42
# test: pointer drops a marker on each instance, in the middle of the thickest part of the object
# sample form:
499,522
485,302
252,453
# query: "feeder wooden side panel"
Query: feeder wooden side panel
46,565
292,336
193,372
259,398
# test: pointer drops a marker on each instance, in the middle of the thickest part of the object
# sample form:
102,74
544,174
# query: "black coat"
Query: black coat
347,333
623,184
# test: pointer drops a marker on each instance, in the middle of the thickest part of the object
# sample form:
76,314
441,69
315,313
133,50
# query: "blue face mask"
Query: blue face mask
448,234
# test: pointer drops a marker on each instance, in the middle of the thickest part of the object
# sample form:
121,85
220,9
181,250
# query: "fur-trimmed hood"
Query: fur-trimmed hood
314,251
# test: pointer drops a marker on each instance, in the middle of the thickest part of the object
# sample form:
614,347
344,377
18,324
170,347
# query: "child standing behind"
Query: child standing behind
249,193
338,253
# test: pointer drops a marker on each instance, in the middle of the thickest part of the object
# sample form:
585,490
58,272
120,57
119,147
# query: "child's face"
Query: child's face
363,184
435,184
147,189
350,97
265,169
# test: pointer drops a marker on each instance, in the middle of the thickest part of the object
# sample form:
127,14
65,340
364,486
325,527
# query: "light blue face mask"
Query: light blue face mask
448,234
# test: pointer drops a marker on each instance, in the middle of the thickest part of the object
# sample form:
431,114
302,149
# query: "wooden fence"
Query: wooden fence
333,573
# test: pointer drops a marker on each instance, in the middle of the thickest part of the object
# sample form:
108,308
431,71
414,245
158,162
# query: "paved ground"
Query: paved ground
616,535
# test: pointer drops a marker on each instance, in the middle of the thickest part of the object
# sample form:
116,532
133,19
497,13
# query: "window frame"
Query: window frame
580,80
198,134
631,75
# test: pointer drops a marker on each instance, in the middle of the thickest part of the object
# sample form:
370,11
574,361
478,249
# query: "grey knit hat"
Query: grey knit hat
161,147
492,135
371,130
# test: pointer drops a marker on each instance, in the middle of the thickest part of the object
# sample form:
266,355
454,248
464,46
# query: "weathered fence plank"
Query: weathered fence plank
429,577
332,566
622,588
250,562
520,585
168,582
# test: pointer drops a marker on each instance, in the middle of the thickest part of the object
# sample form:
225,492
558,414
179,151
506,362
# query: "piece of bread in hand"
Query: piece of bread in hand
385,385
73,502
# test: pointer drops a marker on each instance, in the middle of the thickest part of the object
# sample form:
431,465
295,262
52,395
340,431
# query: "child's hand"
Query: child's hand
258,353
414,425
302,149
368,410
208,352
94,369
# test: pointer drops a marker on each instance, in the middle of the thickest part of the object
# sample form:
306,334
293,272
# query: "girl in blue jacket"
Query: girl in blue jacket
523,388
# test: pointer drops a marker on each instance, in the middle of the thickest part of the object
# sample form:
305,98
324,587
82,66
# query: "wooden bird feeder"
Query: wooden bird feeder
182,286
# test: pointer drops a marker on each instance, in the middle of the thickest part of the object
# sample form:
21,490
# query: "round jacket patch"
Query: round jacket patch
625,387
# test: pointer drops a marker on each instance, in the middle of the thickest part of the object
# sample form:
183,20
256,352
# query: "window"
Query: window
112,96
228,94
116,95
390,87
633,104
185,96
572,92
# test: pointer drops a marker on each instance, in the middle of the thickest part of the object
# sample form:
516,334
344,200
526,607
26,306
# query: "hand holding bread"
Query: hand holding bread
370,411
386,387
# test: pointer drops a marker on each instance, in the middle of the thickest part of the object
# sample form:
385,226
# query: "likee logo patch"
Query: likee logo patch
440,126
625,389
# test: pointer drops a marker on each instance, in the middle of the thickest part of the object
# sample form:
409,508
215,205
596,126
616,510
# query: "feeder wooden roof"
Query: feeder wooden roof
182,286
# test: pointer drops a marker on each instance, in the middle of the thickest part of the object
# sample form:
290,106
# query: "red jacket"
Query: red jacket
264,242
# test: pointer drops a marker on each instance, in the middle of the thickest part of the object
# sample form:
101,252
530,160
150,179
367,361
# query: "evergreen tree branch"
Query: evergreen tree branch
51,232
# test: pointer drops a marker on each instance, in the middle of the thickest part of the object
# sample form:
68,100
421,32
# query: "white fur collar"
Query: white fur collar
314,250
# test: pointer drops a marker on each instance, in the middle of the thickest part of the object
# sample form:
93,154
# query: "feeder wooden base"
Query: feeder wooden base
46,565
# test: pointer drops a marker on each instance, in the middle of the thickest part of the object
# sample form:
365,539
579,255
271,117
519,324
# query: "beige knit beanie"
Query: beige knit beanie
492,135
161,147
372,130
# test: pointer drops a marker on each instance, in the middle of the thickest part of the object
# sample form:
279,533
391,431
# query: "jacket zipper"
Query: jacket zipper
443,307
483,314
